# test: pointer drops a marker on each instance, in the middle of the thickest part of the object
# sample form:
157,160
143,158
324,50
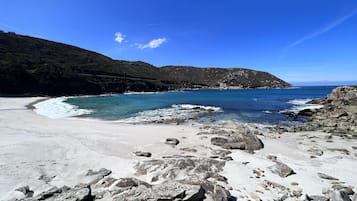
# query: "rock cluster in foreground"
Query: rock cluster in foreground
200,182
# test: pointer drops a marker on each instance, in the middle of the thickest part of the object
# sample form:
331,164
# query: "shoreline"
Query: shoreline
65,149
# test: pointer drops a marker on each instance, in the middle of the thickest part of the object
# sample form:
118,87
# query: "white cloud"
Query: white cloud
119,37
155,43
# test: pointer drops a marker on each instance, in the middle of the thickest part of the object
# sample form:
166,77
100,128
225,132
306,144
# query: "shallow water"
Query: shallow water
250,105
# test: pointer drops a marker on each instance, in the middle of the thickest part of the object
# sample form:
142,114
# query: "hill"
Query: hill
33,66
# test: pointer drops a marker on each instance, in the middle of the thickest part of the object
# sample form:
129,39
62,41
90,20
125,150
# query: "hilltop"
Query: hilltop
33,66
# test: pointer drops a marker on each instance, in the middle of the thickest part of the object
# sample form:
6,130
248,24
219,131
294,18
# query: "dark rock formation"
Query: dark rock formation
32,66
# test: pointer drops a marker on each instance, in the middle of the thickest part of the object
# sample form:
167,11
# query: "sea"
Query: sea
263,106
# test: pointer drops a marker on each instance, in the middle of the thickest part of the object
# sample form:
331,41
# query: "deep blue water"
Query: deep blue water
251,105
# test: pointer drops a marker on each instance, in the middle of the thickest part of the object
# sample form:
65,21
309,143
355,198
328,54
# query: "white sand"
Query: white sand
32,145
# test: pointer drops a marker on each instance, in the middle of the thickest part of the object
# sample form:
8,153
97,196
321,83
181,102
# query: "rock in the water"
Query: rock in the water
325,176
142,153
281,169
172,141
25,190
306,112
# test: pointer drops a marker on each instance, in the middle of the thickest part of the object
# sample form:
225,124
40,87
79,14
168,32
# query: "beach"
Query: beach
34,147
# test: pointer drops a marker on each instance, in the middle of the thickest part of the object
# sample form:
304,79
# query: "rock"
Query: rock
219,141
105,182
81,192
47,179
142,153
296,191
234,145
345,196
272,158
171,190
241,138
130,182
290,114
26,191
175,168
220,152
340,187
172,141
281,169
306,112
103,172
325,176
338,112
316,198
51,192
188,149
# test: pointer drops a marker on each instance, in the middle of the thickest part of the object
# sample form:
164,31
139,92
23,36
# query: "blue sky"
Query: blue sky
297,40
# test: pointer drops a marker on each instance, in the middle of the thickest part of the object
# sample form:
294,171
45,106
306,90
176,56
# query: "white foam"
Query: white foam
174,113
302,104
56,108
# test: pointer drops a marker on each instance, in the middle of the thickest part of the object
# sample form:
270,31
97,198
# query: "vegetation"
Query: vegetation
33,66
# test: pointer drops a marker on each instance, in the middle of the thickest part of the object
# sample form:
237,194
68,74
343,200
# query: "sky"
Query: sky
300,41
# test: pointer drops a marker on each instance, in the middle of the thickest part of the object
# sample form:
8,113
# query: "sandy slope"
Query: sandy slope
32,145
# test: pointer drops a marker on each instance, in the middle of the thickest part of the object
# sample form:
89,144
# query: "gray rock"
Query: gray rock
103,172
234,145
171,190
51,192
316,198
172,141
81,192
26,191
281,169
130,182
325,176
219,141
142,153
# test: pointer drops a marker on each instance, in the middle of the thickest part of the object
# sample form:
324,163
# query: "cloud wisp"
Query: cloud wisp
155,43
119,37
319,32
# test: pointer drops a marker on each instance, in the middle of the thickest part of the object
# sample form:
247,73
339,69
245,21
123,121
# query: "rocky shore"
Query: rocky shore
339,112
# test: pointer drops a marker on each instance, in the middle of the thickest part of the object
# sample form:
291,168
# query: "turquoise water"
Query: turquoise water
251,105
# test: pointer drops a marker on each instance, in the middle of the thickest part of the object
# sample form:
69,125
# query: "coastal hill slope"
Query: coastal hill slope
33,66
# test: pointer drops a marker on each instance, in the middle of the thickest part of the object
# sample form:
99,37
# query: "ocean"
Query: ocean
262,106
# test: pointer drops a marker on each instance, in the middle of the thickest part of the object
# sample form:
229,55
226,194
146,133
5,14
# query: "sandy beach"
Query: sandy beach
33,146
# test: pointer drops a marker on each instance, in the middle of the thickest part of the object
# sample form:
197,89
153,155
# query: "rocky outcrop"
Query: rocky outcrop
339,114
33,66
232,136
128,189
